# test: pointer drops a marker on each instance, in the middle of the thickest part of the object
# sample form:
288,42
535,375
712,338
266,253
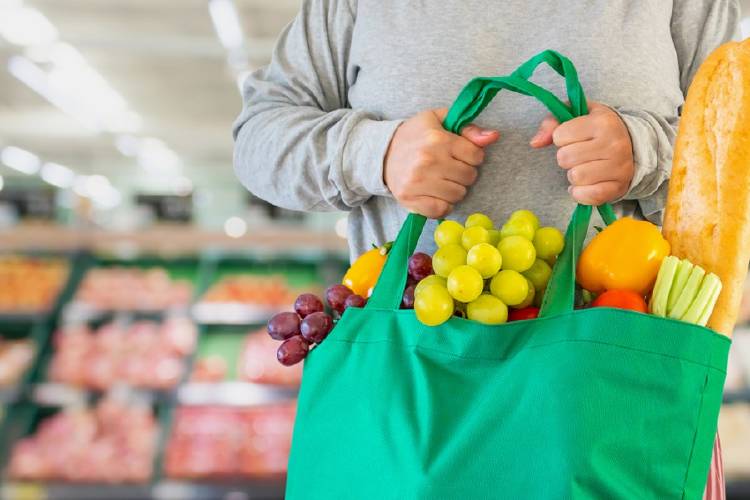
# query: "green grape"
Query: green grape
529,297
539,274
518,227
510,286
549,242
474,236
432,279
465,283
494,235
448,232
485,258
480,220
487,309
448,258
434,305
518,253
525,214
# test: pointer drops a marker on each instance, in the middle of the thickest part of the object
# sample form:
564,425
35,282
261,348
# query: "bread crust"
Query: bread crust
707,218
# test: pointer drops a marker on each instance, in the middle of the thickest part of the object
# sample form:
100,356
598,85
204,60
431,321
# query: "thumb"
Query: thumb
543,137
480,137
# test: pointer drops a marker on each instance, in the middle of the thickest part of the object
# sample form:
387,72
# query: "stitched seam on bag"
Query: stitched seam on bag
478,358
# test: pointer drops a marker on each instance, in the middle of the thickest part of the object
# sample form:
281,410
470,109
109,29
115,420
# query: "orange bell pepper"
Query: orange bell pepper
365,271
624,256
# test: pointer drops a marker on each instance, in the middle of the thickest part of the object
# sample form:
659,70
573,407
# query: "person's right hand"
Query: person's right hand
429,169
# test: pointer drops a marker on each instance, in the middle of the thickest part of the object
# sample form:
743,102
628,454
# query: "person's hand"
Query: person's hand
429,169
597,152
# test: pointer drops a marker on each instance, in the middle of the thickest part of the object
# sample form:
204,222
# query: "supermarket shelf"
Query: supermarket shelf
232,394
166,239
162,490
231,314
57,394
742,396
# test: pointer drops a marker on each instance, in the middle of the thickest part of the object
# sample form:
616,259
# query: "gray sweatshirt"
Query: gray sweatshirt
318,120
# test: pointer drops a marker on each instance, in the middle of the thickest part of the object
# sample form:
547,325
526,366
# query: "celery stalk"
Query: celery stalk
684,268
707,290
706,315
664,280
688,293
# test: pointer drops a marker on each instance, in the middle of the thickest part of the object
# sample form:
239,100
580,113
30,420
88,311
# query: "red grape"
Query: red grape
284,325
292,351
420,266
336,297
306,304
407,301
315,327
355,300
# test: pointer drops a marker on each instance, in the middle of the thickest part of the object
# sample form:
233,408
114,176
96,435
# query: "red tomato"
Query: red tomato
621,299
522,314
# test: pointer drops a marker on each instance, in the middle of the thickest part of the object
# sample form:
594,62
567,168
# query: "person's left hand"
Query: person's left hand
595,150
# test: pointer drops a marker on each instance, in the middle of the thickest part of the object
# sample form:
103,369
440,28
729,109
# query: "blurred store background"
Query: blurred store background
136,273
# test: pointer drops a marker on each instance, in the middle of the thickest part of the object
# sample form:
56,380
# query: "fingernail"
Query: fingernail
486,133
570,189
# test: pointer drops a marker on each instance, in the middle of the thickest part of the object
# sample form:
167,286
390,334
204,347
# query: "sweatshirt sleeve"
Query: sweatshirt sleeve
698,28
298,145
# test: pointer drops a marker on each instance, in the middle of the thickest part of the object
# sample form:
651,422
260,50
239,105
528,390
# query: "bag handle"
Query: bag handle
471,101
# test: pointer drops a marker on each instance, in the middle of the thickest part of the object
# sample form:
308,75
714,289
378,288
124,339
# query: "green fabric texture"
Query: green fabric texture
596,403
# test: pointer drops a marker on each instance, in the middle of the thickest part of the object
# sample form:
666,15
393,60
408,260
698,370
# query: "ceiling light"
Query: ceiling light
25,26
183,186
20,160
2,183
98,189
226,23
58,175
235,227
341,227
745,27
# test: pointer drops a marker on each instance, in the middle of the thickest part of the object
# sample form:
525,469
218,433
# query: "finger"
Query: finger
579,129
440,114
449,191
543,137
460,172
592,173
432,208
598,193
463,150
480,137
579,153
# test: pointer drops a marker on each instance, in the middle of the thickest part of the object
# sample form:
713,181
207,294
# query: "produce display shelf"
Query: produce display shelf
232,393
159,490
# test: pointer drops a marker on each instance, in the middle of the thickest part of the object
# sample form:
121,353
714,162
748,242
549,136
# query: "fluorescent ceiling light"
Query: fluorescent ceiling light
183,186
58,175
98,189
235,227
20,160
25,26
226,23
745,27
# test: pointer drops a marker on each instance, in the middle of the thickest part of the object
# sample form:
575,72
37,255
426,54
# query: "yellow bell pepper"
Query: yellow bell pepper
365,271
624,256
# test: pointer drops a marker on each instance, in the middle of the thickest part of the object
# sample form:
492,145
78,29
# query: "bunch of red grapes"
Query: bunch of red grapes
310,323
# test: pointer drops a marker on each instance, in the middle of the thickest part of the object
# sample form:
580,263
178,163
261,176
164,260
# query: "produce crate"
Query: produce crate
297,273
24,419
176,269
77,263
38,334
234,386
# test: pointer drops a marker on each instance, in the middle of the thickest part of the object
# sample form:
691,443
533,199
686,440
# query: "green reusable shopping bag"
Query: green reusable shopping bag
595,403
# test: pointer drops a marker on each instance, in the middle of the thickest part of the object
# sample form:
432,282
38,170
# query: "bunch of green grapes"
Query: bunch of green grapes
481,271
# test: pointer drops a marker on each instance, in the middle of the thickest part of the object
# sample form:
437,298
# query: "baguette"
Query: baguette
707,218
